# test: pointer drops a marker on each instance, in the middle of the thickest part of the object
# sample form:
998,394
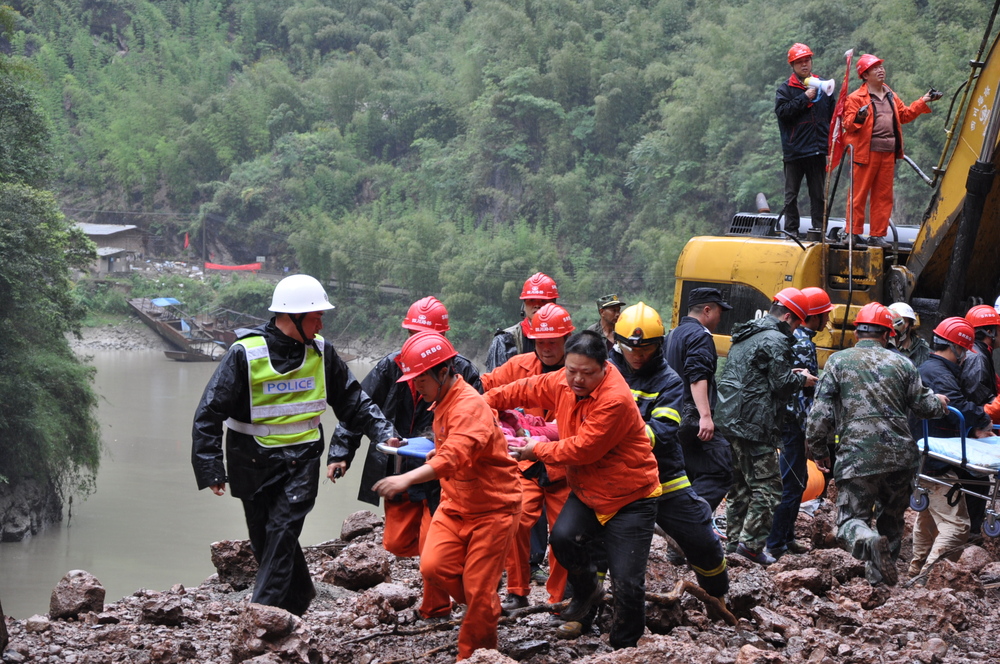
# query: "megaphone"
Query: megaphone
824,87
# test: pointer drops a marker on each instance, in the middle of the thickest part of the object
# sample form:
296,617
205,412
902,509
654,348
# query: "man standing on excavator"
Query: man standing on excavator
804,113
873,116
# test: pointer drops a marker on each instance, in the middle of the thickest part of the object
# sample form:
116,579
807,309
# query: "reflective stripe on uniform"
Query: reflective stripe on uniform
710,572
667,412
272,429
676,484
638,394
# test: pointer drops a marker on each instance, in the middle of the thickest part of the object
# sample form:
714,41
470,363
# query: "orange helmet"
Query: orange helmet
550,322
540,286
982,315
795,301
866,62
427,313
798,51
957,331
423,351
874,313
819,301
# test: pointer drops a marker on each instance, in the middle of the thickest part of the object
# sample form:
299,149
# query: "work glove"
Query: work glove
861,115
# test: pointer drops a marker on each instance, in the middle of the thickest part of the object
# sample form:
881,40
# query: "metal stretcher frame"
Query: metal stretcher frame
919,500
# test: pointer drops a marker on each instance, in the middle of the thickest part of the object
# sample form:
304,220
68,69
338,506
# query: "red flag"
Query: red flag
187,241
835,147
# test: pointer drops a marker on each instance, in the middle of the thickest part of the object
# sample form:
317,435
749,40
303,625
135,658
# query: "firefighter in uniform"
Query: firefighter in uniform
270,390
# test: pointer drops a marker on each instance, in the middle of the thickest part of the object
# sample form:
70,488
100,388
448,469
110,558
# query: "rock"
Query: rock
946,574
26,508
749,587
360,566
77,592
990,573
812,579
234,561
267,630
864,594
489,657
36,624
399,596
163,611
522,650
374,604
841,565
939,647
358,524
751,655
932,610
770,621
974,559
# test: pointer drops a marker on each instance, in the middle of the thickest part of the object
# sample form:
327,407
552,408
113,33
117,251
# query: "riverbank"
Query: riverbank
814,608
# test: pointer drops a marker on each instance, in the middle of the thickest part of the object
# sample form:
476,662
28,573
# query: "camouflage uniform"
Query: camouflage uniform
864,396
754,389
792,462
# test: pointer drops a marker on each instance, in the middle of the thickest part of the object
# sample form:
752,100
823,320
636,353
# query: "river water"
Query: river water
147,525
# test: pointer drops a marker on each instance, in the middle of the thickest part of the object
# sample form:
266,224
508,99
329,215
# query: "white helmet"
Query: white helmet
299,294
996,305
904,310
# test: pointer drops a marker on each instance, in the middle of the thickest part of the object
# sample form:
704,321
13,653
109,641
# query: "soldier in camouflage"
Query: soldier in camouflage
793,438
754,389
864,397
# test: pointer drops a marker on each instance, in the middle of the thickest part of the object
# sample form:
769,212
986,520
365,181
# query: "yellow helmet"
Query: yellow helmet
639,325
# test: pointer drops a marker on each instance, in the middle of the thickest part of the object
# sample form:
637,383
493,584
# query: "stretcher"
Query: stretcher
416,448
979,456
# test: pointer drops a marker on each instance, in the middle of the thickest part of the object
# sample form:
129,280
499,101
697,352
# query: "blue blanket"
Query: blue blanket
982,452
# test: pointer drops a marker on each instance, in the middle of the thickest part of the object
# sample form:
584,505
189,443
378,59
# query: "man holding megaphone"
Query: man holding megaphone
804,106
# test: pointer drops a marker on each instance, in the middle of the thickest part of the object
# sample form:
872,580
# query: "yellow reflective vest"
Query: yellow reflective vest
285,408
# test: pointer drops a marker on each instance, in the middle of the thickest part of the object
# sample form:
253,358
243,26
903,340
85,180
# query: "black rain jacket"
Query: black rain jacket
804,125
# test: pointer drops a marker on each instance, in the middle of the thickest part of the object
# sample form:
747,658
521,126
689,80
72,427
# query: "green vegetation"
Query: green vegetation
454,147
47,422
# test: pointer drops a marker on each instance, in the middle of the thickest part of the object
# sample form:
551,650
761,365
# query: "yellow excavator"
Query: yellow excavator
948,263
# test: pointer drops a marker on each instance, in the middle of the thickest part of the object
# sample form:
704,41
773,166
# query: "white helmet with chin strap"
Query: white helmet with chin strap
299,294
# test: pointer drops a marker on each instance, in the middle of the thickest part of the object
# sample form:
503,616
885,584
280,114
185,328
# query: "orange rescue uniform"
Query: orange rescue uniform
553,496
602,438
480,505
874,171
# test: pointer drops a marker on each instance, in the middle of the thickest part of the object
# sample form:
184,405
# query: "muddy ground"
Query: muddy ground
815,607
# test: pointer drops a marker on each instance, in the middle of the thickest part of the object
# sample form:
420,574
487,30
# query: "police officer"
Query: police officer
864,397
270,390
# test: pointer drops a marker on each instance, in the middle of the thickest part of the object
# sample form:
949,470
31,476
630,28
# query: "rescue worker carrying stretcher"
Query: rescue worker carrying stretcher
270,390
473,526
407,516
539,289
612,474
540,486
659,393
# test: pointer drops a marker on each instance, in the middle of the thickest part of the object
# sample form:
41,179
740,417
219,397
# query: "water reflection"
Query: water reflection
147,525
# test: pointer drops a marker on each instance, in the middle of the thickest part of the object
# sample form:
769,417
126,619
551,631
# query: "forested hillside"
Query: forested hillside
456,146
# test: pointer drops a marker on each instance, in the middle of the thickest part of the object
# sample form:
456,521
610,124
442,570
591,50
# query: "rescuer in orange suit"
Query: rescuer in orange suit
408,517
550,327
473,526
612,474
873,115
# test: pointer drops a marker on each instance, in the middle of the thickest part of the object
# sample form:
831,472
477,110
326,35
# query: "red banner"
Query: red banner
249,267
836,141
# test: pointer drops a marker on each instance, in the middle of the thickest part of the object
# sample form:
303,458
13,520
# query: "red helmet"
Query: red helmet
819,301
423,351
956,330
540,286
427,313
982,315
798,51
874,313
550,322
866,62
795,301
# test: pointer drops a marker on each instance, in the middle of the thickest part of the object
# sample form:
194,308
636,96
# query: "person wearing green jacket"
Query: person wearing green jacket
756,385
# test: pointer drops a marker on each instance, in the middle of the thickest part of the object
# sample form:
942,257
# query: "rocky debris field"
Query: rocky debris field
815,607
130,334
